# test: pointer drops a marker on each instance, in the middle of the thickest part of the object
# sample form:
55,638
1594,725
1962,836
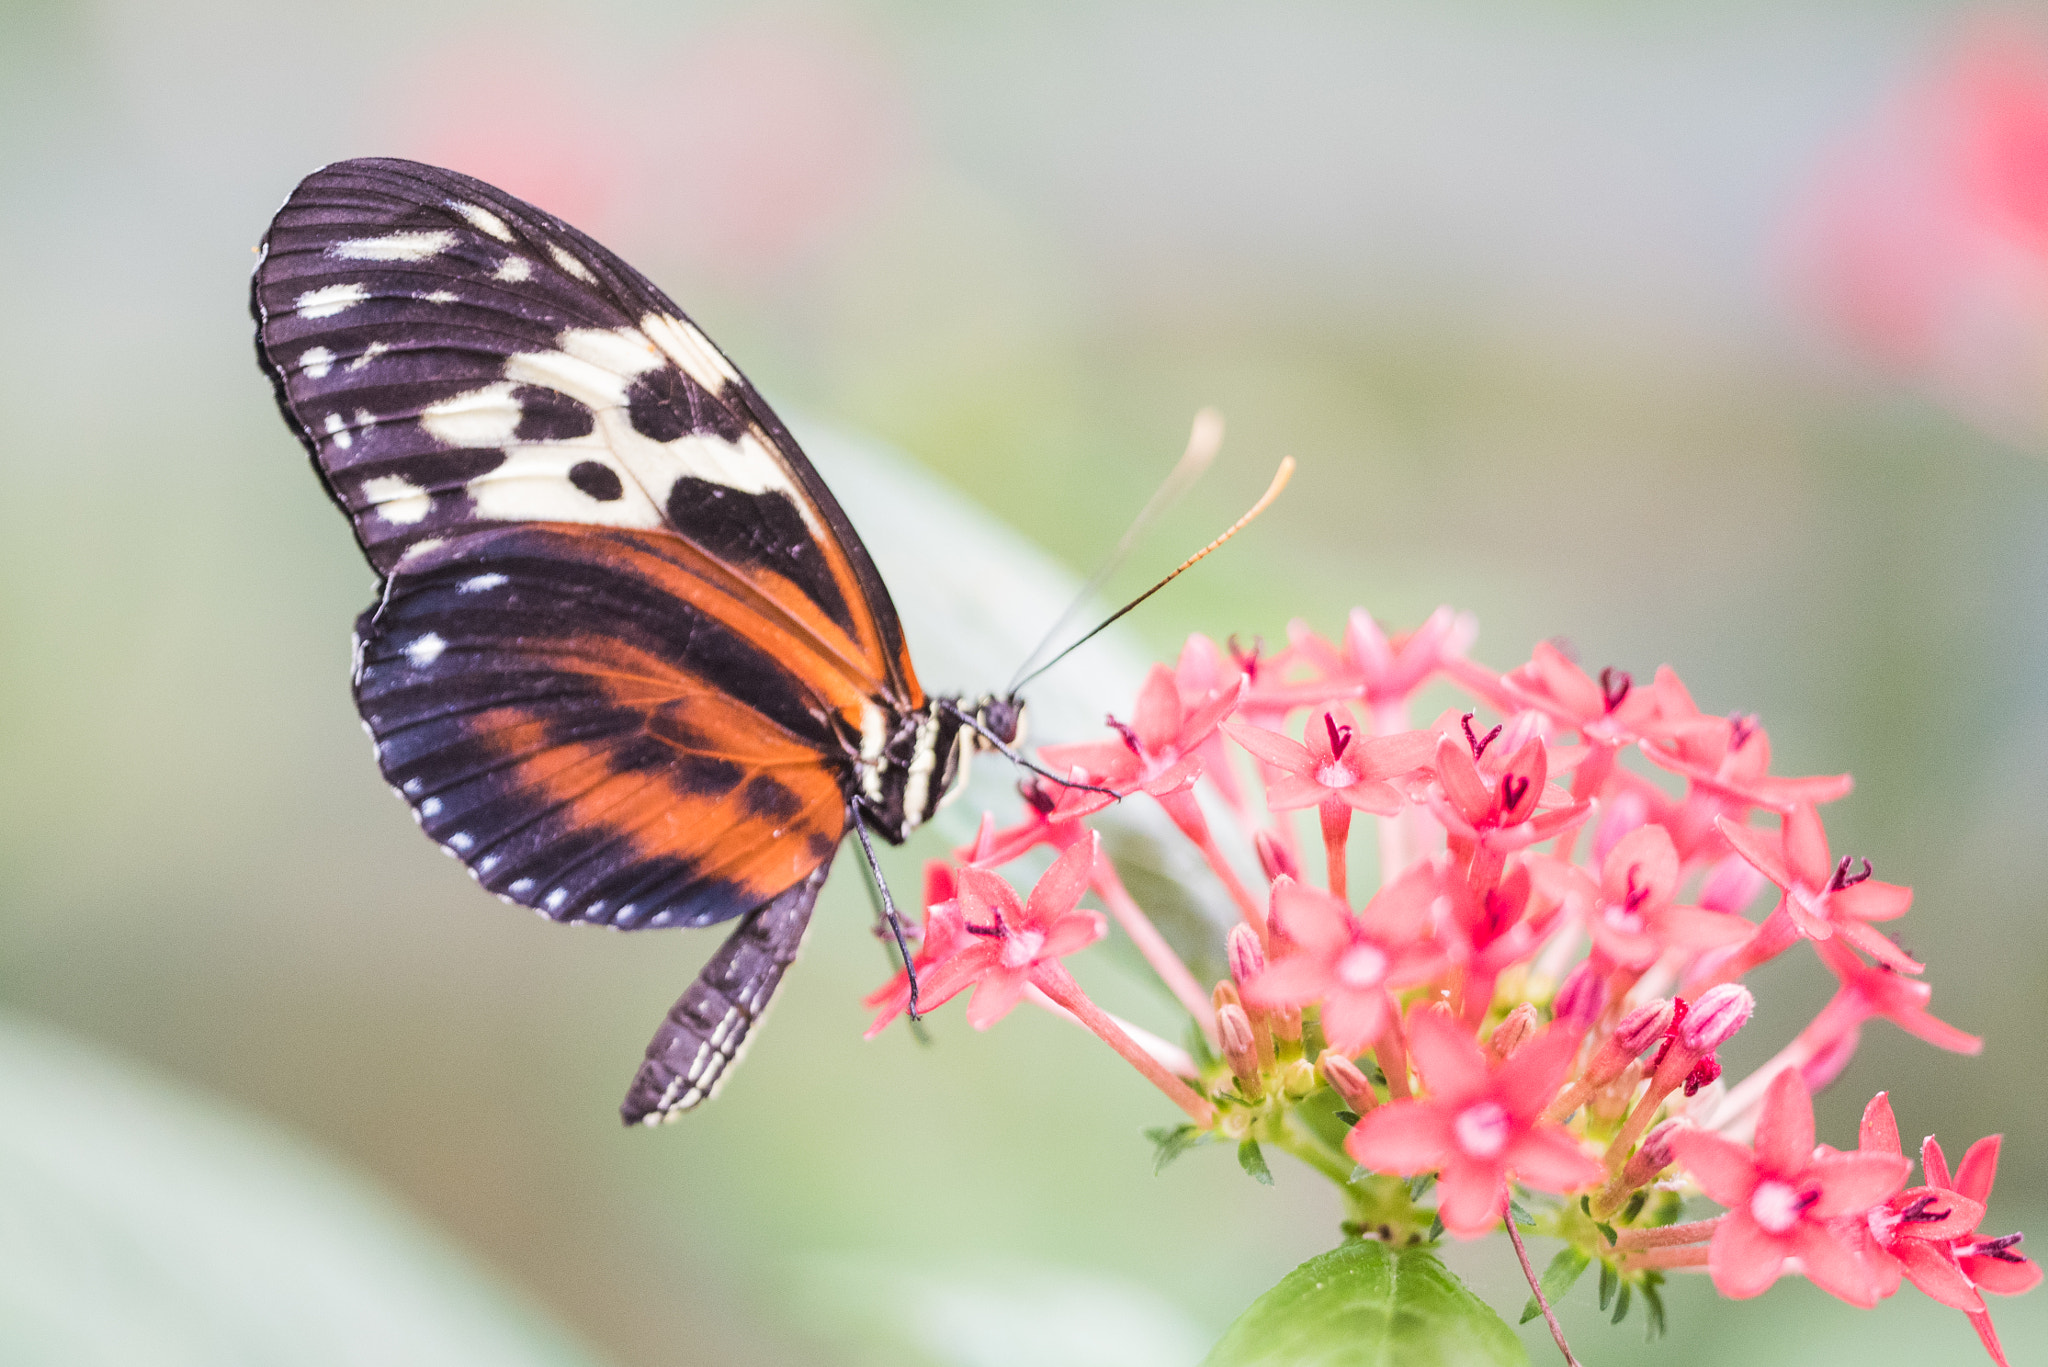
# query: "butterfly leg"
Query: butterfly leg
889,916
705,1033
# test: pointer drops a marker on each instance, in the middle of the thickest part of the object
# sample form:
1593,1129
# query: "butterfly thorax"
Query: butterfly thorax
911,763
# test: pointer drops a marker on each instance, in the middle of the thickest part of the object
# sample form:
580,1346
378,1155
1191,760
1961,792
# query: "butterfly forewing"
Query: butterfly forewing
457,359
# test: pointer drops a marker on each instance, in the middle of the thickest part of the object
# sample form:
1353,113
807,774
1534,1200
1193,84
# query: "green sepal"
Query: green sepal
1253,1161
1364,1304
1606,1231
1621,1302
1558,1278
1348,1117
1610,1282
1653,1307
1170,1144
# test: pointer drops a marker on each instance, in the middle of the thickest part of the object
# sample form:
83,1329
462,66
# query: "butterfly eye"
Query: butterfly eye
1004,717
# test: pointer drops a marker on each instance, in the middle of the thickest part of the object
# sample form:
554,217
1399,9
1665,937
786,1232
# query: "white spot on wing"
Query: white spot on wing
569,262
439,296
316,361
519,887
690,350
513,268
482,219
461,840
556,898
338,431
481,417
395,247
425,650
424,544
329,300
431,807
400,502
481,583
370,353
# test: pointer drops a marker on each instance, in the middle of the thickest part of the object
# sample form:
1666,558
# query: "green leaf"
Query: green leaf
1610,1282
1365,1305
1254,1162
1621,1302
149,1227
1171,1143
1653,1307
1558,1278
1607,1231
1521,1215
1418,1187
1348,1117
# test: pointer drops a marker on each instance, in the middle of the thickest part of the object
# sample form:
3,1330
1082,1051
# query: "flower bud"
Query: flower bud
1347,1081
1286,1021
1247,955
1274,860
1226,995
1580,998
1234,1030
1715,1017
1653,1156
1234,1123
1298,1079
1512,1033
1640,1028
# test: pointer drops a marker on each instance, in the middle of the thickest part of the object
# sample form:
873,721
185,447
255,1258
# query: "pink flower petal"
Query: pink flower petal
1206,718
1764,854
1643,862
1806,846
1879,1130
1405,1137
1072,933
1936,1273
1743,1259
1529,1081
1978,1170
1061,888
1724,1169
1353,1020
1698,928
1784,1133
1959,1215
2002,1278
1295,980
1400,911
1292,792
1465,790
1470,1196
1158,718
1831,1265
1551,1160
1851,1183
1934,1167
1878,946
1312,919
995,997
1448,1059
1270,746
1391,756
1376,799
1871,900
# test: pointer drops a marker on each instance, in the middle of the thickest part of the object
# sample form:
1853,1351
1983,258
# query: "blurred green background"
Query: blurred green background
1508,279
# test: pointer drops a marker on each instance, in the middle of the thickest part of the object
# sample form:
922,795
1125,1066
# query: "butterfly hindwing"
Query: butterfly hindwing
706,1031
592,744
456,359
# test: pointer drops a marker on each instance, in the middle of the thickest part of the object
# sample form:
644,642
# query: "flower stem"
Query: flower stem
1663,1259
1061,987
1536,1286
1666,1236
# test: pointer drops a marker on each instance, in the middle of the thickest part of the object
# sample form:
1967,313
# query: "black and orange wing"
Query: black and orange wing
627,646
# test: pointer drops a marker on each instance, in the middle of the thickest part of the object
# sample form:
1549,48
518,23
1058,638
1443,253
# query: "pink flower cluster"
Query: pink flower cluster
1534,994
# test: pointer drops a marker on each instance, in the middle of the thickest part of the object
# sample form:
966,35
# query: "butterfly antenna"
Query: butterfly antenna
1204,441
1280,478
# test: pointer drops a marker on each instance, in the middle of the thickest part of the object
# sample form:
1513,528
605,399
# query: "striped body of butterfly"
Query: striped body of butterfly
629,663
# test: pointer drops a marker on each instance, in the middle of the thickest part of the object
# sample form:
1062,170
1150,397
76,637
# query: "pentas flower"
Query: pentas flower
1824,898
945,934
1158,752
1607,715
1868,992
1634,919
1783,1200
1728,755
1337,770
1008,943
1489,813
1477,1124
1349,963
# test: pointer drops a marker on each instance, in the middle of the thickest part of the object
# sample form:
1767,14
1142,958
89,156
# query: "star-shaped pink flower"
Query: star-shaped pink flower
1823,898
1158,753
1009,943
1325,954
1634,921
1784,1200
1477,1124
1729,755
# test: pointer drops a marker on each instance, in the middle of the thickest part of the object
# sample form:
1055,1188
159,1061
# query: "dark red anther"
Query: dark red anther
1845,879
1340,736
1038,796
1614,686
1247,660
1130,736
1808,1199
1636,896
1478,743
996,931
2000,1248
1513,788
1703,1074
1922,1211
1741,726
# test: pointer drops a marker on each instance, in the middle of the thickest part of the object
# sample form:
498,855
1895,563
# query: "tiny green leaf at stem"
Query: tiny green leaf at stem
1253,1161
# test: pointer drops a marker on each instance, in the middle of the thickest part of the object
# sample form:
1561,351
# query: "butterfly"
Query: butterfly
629,662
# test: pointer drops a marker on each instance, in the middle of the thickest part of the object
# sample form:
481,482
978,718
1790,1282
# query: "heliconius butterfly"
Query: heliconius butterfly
629,662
